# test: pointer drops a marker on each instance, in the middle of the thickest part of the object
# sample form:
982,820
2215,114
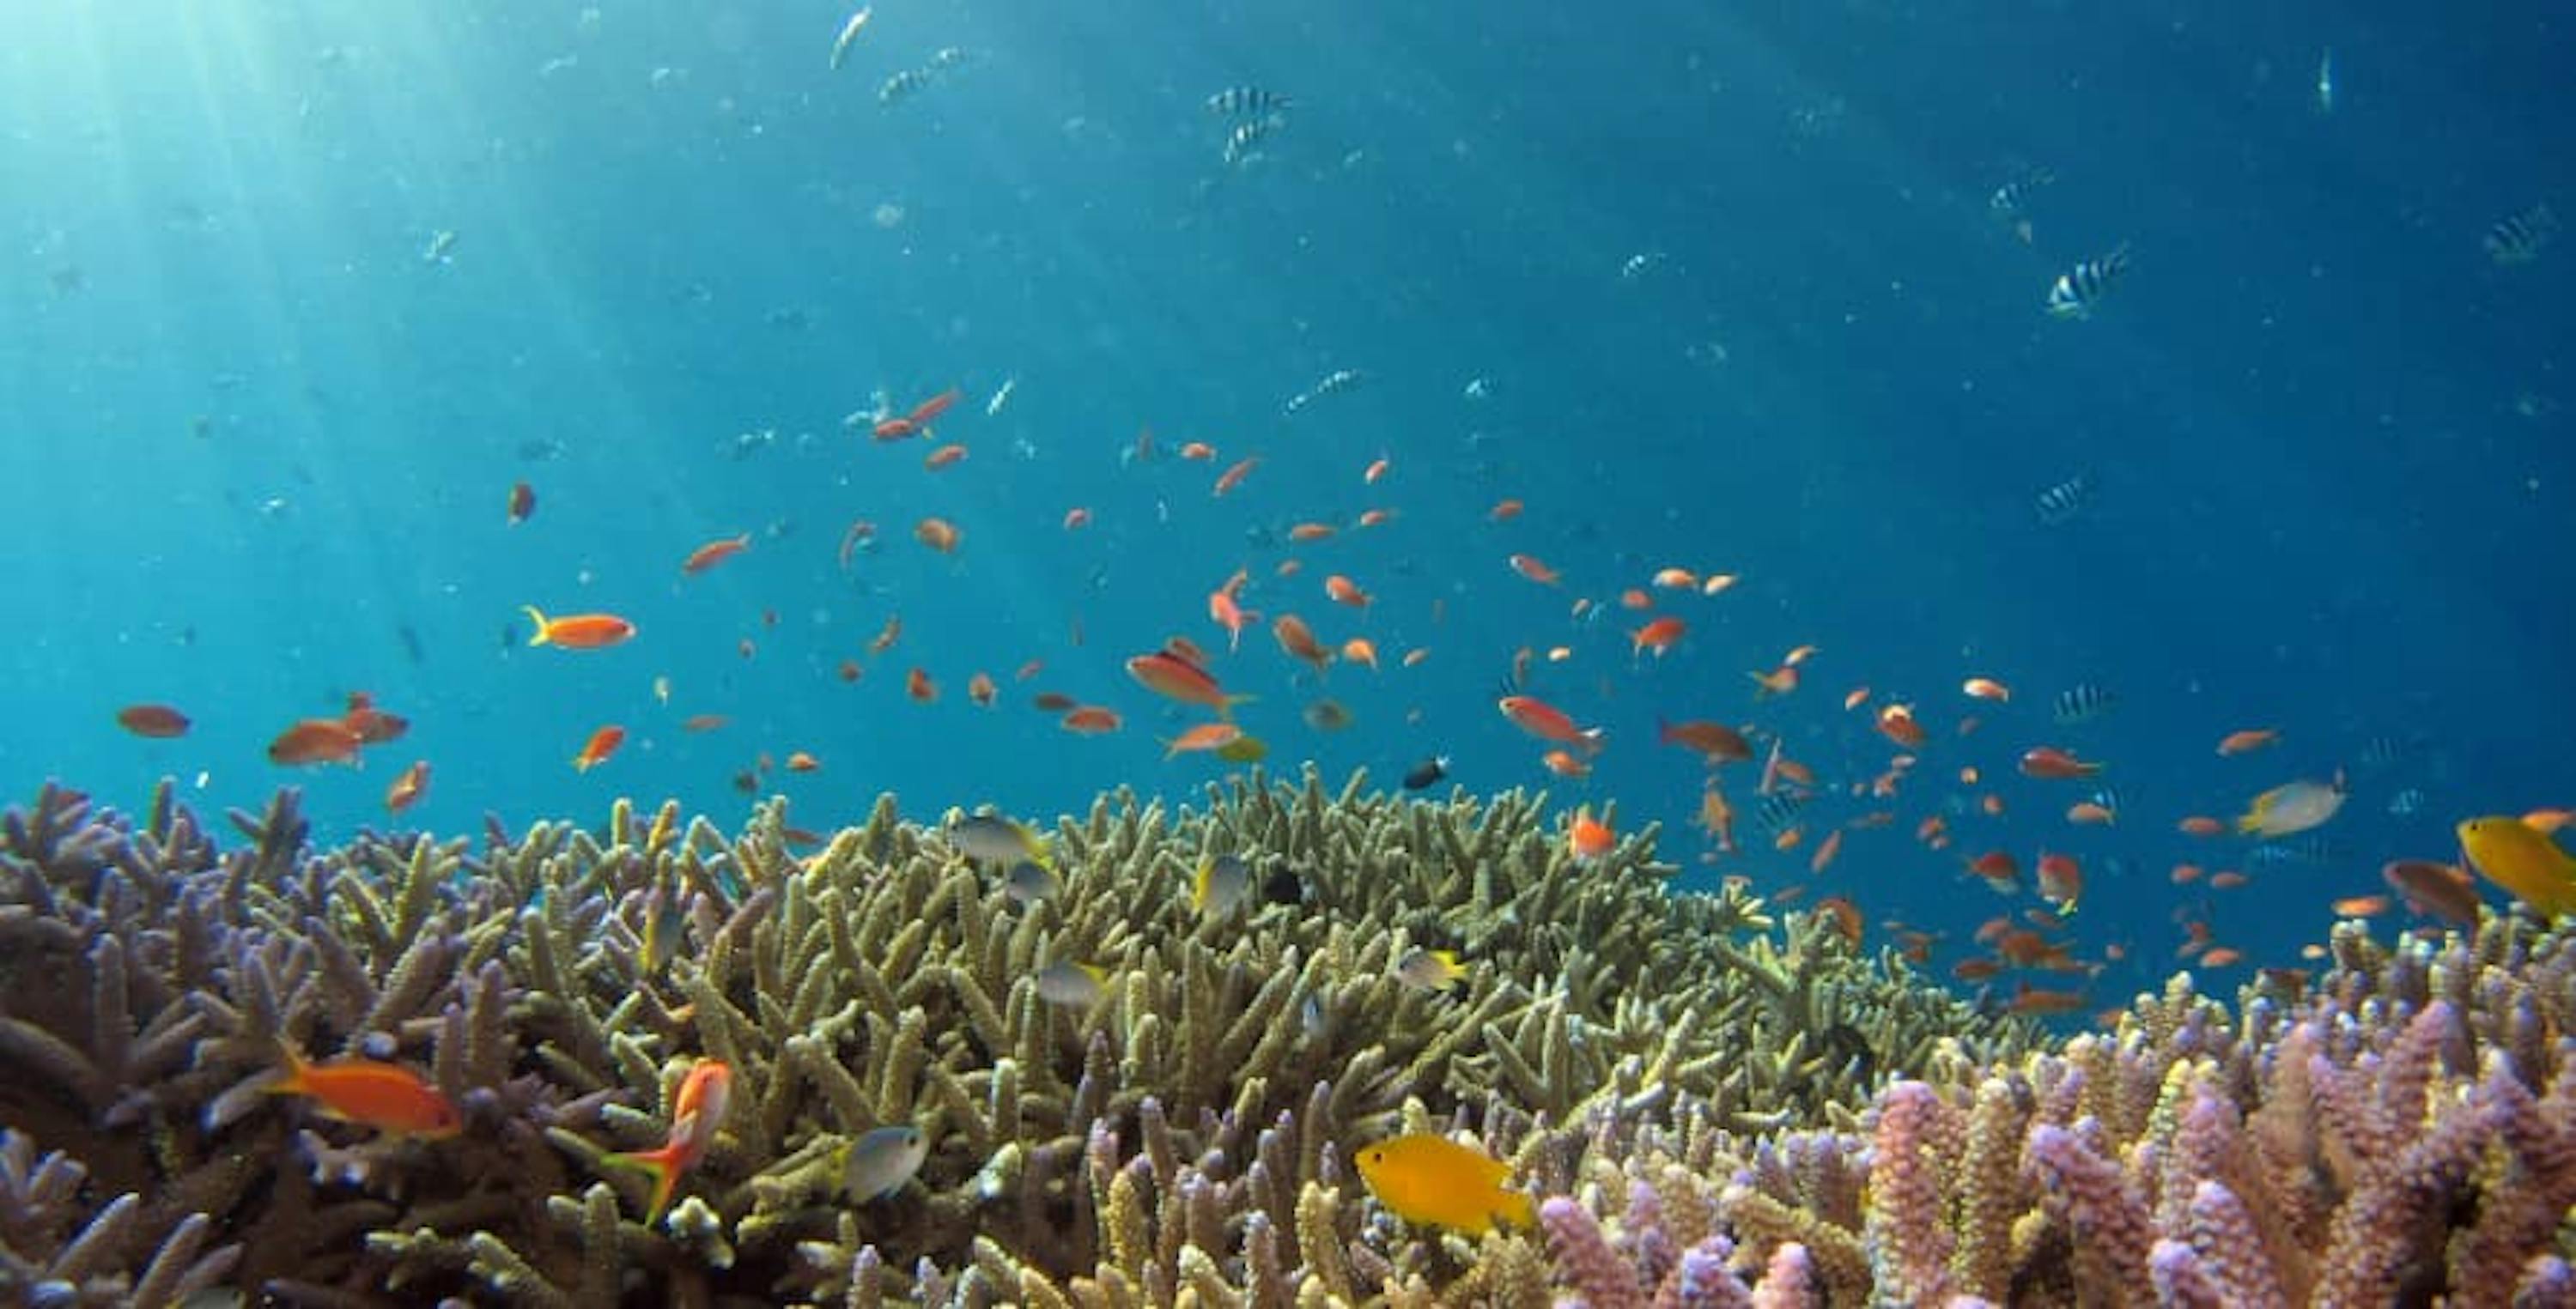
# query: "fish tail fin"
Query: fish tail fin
665,1169
292,1082
2249,824
537,617
1518,1210
1225,711
1593,740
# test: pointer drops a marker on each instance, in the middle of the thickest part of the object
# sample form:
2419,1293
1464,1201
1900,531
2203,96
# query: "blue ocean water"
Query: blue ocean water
1729,275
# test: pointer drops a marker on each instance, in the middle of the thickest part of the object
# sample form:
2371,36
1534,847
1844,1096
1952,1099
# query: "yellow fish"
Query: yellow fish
2522,859
1434,1180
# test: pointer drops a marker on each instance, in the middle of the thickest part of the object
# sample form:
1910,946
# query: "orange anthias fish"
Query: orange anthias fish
697,1111
373,726
1719,742
1225,612
155,720
316,741
1896,723
1295,637
939,534
599,747
1169,675
2247,741
1548,723
1202,737
2053,764
1657,636
1588,838
928,411
714,552
1433,1180
578,631
1233,477
387,1097
408,788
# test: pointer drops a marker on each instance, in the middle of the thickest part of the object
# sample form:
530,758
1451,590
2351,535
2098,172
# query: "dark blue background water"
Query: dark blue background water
254,437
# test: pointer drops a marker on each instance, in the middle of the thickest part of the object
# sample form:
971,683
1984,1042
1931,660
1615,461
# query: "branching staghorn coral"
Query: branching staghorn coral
553,985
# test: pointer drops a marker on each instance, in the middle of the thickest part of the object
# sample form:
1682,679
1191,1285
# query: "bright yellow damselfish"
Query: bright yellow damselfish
2522,859
1434,1180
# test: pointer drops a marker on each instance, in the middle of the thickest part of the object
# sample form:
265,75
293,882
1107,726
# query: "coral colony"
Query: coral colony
884,1070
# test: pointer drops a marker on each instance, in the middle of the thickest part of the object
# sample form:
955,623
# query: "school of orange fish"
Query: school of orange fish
1744,761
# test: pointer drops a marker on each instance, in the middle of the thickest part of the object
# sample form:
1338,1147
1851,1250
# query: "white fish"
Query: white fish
2325,81
441,248
1075,986
1221,886
990,838
2292,808
1002,397
849,33
881,1162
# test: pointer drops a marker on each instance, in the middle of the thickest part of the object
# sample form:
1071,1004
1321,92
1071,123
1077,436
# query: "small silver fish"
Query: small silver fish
881,1162
849,33
1430,970
1072,985
1029,882
990,838
1221,886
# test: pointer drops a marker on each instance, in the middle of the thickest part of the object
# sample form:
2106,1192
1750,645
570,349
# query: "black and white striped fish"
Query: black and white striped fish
1779,812
1247,102
2388,751
2008,200
2081,703
2519,238
1340,379
1243,144
2065,500
2080,288
898,88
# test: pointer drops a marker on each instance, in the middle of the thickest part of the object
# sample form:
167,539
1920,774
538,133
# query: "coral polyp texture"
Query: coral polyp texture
1123,1094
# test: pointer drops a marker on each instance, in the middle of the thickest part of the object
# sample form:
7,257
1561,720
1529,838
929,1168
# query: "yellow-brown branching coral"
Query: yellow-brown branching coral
1181,1134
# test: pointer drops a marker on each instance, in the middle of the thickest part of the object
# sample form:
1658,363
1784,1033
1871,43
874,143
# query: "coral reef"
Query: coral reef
1717,1108
1186,1129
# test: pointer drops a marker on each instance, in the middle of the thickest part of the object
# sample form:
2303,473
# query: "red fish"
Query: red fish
408,788
928,411
714,552
2053,764
1548,723
316,741
373,726
387,1097
1169,675
599,747
523,502
1657,636
155,720
578,631
696,1114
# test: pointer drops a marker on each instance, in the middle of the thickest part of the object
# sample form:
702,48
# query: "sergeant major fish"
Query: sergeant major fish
2080,288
